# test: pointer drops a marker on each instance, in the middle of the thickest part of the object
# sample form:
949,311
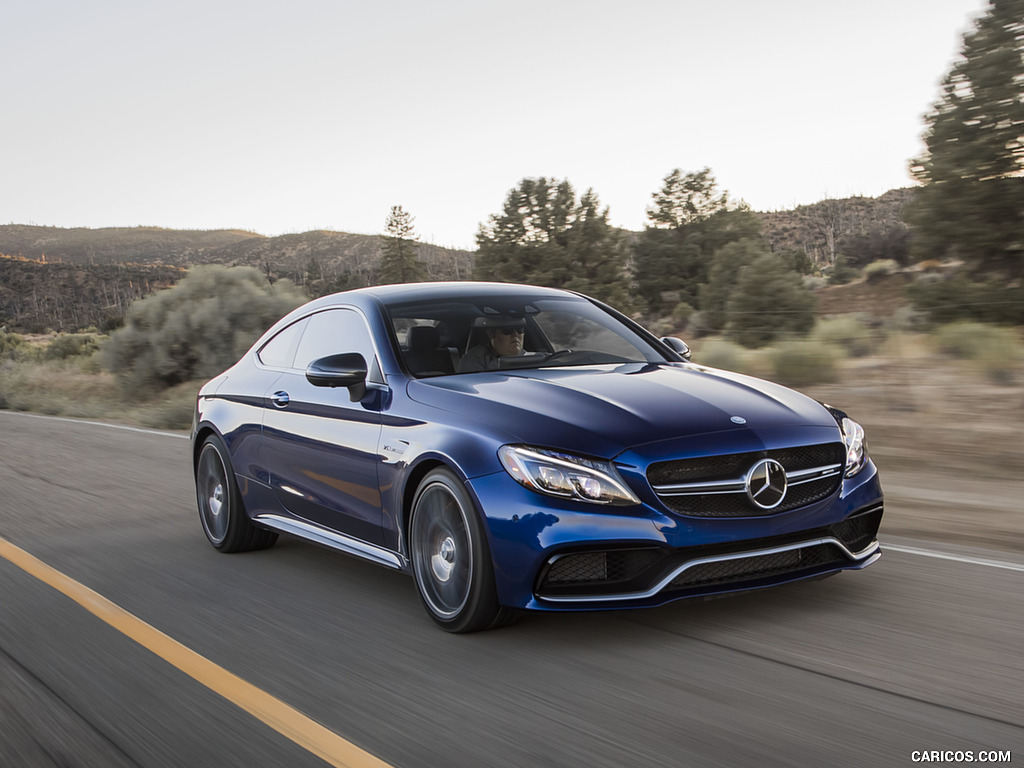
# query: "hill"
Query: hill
36,296
337,252
64,279
116,245
67,279
323,258
861,229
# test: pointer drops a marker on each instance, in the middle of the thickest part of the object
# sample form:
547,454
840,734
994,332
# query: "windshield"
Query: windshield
443,336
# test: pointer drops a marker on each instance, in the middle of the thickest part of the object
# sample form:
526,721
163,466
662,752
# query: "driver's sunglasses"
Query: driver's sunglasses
512,331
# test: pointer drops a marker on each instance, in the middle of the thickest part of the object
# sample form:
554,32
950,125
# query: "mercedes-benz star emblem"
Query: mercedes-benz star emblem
766,483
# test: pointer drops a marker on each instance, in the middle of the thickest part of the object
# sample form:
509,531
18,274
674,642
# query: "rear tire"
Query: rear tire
451,561
225,522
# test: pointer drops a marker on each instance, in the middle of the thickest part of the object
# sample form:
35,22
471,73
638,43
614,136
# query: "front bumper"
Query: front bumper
551,554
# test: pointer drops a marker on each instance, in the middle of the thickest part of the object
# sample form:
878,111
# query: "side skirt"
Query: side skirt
334,540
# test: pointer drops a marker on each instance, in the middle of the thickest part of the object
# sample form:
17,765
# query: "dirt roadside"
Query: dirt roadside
948,444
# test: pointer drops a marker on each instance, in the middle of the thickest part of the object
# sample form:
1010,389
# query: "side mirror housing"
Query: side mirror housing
345,370
678,346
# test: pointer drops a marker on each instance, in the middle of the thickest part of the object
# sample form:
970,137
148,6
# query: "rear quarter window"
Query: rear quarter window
279,352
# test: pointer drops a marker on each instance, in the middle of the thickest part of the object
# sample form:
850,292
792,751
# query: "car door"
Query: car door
319,446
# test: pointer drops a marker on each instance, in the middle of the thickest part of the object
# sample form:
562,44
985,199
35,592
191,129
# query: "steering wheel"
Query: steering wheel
557,354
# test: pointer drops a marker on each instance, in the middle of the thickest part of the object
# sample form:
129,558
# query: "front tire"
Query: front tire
221,511
451,561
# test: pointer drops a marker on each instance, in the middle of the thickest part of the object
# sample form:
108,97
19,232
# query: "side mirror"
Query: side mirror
678,346
346,370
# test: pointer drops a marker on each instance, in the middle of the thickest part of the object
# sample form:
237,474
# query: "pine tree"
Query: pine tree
596,256
399,263
726,266
543,236
971,204
686,199
769,302
689,221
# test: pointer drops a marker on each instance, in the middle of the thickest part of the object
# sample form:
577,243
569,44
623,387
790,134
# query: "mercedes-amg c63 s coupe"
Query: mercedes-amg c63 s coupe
520,448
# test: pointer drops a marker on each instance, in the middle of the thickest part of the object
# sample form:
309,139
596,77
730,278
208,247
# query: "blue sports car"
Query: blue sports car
515,447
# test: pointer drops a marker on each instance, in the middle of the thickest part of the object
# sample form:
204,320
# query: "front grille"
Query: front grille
859,530
714,486
611,567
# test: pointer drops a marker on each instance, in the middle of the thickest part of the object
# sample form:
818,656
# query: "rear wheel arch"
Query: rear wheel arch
221,509
203,432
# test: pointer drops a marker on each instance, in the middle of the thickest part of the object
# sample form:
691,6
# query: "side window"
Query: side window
333,332
280,350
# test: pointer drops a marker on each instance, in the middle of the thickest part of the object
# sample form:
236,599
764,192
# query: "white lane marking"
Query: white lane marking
958,558
125,427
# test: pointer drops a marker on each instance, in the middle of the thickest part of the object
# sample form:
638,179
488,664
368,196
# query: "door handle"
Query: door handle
280,399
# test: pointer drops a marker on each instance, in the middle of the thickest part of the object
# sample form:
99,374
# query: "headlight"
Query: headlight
566,476
856,446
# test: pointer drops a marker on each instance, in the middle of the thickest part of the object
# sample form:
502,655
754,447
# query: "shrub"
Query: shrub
906,319
718,353
727,263
67,345
197,328
957,298
769,302
876,270
682,313
959,339
846,332
697,327
9,343
995,350
842,272
801,363
58,387
814,282
883,242
799,260
173,411
15,347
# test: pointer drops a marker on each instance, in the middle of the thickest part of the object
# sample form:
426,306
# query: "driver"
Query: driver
504,339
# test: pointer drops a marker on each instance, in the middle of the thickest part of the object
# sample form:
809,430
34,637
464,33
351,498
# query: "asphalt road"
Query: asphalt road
915,653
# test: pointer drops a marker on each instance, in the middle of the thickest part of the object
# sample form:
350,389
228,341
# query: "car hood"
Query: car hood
605,410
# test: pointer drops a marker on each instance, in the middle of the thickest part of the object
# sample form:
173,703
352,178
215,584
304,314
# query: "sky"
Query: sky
286,117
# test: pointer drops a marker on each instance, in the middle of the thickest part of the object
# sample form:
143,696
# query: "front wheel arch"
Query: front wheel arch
449,555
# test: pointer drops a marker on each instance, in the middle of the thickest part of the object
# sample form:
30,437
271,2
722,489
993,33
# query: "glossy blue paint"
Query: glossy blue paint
353,466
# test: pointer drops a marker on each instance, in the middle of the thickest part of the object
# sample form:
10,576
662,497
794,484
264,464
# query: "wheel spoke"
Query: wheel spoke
443,555
214,500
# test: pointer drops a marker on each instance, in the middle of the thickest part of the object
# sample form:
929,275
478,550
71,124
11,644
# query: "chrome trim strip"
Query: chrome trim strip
332,539
872,551
825,471
812,479
713,487
870,560
698,489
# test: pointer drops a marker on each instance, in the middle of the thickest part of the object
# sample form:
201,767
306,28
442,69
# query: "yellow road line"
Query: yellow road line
284,719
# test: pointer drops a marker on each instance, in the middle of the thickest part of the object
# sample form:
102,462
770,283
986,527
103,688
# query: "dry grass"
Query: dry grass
74,388
946,438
